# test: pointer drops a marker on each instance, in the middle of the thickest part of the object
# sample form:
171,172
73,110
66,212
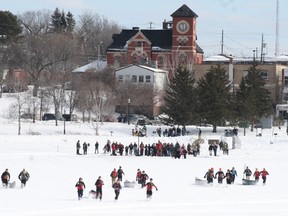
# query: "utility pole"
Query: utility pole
263,45
277,29
222,43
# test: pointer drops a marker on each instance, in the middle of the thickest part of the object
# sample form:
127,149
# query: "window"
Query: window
148,79
141,79
264,75
286,80
134,78
120,78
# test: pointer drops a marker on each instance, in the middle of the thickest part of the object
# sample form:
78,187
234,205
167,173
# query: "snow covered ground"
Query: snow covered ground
50,157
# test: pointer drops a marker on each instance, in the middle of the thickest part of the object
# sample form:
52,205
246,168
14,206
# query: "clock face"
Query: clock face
182,26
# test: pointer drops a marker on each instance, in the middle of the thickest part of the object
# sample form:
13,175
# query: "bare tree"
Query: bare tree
102,103
96,33
56,93
141,98
21,100
35,22
37,54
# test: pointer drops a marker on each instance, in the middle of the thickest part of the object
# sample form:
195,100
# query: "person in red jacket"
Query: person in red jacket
99,183
264,173
117,187
138,176
150,186
113,175
80,188
256,175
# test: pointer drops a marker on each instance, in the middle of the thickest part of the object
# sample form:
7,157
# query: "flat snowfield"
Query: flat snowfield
50,157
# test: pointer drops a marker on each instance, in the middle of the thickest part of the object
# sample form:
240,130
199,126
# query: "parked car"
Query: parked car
141,122
48,116
27,116
68,117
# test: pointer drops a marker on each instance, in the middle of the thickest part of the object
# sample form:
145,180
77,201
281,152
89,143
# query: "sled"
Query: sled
129,184
12,184
248,182
199,181
92,194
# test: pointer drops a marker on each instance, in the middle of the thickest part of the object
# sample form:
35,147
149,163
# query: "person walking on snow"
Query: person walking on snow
5,177
80,188
138,176
256,175
78,146
99,183
247,173
143,178
120,173
149,187
233,174
23,176
117,187
264,173
113,176
209,175
220,175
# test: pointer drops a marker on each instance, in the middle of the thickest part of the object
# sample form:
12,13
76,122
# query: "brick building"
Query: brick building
160,48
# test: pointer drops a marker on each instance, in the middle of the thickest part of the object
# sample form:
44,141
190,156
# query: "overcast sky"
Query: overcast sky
243,21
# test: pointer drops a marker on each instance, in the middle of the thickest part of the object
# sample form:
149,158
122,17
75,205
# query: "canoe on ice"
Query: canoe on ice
248,182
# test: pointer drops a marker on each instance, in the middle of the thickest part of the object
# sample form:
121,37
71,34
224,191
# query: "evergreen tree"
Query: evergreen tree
215,104
180,98
56,21
70,22
63,23
242,103
253,99
10,28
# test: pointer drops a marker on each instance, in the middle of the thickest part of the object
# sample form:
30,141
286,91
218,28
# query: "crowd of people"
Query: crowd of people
23,176
256,174
231,174
156,149
116,178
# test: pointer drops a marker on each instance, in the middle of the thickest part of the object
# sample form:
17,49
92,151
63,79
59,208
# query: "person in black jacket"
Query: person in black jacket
143,178
120,173
5,177
99,183
229,177
220,175
23,177
247,173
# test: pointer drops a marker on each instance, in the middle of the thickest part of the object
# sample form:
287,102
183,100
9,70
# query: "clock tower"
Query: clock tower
184,35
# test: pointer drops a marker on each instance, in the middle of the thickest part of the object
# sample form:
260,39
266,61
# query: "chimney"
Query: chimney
166,24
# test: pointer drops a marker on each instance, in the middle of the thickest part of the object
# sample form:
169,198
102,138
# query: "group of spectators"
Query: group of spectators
156,149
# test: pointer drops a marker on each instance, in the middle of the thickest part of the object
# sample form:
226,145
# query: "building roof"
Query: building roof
154,70
184,11
98,65
223,58
161,38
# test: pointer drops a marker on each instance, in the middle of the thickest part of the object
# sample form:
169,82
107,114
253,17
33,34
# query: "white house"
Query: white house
140,74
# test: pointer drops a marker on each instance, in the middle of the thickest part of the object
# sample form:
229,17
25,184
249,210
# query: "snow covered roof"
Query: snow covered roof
224,58
155,70
97,65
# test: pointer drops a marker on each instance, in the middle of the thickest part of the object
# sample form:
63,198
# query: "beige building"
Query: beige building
272,71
